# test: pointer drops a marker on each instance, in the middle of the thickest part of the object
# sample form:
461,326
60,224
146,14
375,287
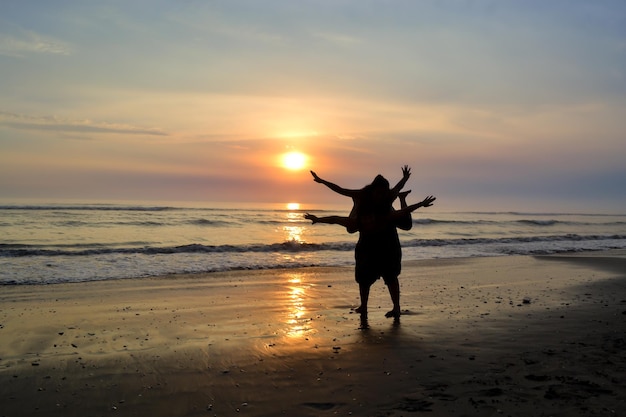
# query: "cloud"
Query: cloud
31,42
53,124
338,38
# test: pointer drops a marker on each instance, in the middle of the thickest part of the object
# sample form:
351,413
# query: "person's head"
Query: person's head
380,182
378,194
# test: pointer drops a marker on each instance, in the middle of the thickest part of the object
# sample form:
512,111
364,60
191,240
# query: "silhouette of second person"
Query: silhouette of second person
378,252
376,196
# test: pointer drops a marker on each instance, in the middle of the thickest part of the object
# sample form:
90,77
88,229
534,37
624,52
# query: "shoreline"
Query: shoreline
511,335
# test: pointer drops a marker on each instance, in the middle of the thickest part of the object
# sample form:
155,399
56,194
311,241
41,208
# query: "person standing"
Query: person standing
378,252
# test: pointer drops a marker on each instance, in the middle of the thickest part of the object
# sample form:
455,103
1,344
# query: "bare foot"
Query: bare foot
364,323
402,197
395,313
361,310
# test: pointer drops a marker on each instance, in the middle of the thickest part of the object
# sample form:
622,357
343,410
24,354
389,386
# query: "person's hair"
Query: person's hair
373,202
380,181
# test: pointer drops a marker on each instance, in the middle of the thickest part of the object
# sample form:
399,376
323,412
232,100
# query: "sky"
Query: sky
496,105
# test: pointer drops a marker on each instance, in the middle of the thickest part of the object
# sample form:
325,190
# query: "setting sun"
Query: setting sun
294,160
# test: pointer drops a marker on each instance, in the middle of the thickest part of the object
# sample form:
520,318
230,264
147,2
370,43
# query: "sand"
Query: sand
505,336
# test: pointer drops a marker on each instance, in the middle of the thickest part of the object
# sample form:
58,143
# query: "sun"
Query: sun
294,161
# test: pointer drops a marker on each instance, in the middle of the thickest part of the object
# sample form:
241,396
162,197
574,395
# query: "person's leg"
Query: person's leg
393,285
364,292
402,197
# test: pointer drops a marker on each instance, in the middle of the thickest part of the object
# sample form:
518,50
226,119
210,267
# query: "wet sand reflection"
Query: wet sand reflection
297,320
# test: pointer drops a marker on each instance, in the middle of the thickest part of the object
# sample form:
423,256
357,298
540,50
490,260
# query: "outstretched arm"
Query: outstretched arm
340,190
346,222
427,202
406,173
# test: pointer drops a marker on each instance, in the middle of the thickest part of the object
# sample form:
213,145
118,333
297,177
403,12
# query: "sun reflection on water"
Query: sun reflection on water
293,231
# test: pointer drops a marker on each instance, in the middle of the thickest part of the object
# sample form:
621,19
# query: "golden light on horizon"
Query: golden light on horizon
298,134
293,206
294,160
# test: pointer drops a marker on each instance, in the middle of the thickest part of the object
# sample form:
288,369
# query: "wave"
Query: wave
529,239
429,221
529,222
141,223
81,223
21,250
7,250
539,222
421,222
208,222
547,213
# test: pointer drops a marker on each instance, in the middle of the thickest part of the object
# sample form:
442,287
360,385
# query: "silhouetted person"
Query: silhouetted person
364,196
397,216
378,252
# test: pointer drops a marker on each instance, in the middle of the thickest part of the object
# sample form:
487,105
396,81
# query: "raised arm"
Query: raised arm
339,190
406,173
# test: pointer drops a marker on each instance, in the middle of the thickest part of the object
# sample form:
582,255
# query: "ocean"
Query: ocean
55,243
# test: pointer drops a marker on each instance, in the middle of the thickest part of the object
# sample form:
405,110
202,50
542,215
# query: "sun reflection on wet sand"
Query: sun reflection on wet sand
297,320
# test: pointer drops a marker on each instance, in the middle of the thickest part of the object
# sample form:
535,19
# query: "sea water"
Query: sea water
53,243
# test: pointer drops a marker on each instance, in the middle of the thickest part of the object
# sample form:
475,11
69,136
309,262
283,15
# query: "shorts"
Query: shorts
377,257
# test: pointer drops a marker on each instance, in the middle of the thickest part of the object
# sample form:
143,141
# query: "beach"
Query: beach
501,336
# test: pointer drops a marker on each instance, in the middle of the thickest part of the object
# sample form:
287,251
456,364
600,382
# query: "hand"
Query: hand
406,171
315,177
428,201
311,217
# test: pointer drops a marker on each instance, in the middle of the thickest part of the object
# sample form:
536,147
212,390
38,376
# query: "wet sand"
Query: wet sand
506,336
